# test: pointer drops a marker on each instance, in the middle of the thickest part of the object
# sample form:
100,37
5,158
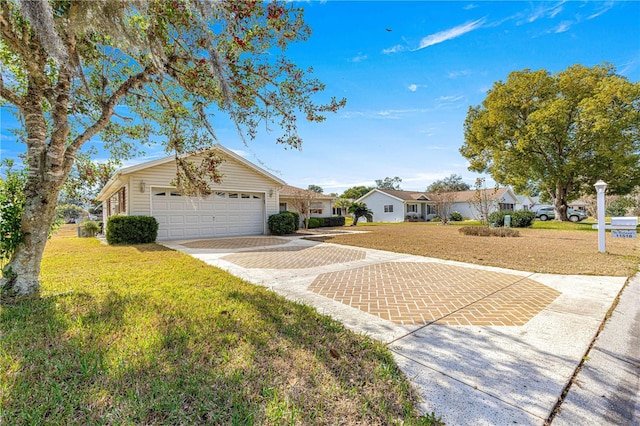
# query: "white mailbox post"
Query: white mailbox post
601,186
624,227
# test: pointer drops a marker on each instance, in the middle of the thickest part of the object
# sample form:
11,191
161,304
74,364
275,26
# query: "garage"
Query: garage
222,214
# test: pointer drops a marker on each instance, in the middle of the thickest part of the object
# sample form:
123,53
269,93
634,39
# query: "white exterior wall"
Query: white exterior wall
327,207
376,202
236,177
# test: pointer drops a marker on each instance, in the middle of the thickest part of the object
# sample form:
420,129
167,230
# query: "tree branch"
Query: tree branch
108,108
9,95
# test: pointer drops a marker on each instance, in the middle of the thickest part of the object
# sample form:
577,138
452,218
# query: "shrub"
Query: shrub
315,222
282,223
11,208
91,228
519,219
484,231
497,218
522,218
455,217
296,219
132,229
334,221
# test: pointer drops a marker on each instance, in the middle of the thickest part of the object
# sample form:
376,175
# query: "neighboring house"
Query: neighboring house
578,205
524,202
398,206
395,206
240,205
499,199
296,199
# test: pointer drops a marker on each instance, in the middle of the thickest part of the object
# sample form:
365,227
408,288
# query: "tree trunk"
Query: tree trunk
21,274
560,202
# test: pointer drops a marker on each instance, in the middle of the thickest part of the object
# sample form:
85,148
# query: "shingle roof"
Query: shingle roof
292,191
405,195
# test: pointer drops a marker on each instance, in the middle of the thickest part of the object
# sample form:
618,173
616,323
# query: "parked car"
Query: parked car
549,213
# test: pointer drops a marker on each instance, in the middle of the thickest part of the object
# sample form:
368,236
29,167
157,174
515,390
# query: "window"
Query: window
159,193
221,194
245,196
257,197
234,195
506,206
412,208
175,194
315,211
283,207
388,208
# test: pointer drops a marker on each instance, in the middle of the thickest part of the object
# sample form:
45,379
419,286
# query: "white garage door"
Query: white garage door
222,214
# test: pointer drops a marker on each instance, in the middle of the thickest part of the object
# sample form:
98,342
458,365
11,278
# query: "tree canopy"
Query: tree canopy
558,133
315,188
389,183
452,183
355,192
138,73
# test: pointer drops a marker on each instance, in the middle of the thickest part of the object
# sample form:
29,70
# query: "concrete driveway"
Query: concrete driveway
483,345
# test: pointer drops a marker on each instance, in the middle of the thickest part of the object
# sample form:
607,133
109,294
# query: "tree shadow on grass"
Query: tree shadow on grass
114,358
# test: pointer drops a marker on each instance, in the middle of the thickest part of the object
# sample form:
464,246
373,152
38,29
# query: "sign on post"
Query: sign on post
622,227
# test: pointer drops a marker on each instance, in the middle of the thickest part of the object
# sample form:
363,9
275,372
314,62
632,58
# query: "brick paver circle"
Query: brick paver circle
236,243
424,292
295,257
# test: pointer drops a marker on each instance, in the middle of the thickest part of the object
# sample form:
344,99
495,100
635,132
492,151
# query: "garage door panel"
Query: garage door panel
215,216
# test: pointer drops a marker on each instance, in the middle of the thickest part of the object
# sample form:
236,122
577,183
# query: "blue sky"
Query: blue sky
410,71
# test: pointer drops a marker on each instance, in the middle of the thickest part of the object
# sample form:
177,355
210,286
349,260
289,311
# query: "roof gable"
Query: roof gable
117,180
289,191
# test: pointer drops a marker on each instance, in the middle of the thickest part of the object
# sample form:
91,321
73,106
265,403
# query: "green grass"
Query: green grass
147,335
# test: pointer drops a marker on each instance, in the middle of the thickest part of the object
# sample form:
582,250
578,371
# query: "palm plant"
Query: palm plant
343,204
359,210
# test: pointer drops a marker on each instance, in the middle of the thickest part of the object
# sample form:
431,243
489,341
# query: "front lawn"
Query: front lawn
146,335
570,248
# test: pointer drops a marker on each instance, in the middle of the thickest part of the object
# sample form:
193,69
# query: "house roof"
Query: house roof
292,191
116,181
466,196
398,194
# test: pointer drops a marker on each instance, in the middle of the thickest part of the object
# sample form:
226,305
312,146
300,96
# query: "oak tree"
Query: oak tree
558,133
142,72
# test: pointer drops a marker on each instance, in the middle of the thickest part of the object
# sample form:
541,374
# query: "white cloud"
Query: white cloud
448,101
451,33
461,73
470,6
413,87
359,58
605,7
564,26
395,49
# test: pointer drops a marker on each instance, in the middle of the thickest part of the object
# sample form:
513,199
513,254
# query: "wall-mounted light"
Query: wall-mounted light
271,193
143,186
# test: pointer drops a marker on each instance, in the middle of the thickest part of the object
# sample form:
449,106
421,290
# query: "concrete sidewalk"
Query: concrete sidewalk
483,345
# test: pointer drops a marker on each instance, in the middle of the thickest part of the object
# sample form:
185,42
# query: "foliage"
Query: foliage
389,183
69,212
144,72
315,188
355,192
483,200
519,218
620,206
296,219
558,133
91,228
315,222
282,223
334,221
342,204
455,217
131,229
86,179
178,330
359,210
452,183
485,231
11,208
